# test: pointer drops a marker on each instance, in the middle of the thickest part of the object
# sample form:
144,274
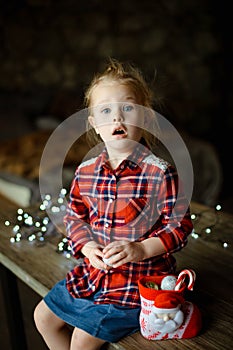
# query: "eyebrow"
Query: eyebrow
129,98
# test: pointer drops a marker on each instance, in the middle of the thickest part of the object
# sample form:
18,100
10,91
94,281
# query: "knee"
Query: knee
41,318
82,340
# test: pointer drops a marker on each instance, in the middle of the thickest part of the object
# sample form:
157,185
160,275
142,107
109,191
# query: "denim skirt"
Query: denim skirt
109,322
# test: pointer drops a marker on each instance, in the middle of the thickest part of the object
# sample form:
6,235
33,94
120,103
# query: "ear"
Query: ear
91,120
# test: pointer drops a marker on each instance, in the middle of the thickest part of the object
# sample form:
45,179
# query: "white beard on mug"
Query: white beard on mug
167,326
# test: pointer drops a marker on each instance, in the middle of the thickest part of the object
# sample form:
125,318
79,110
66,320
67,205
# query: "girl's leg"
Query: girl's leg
55,332
82,340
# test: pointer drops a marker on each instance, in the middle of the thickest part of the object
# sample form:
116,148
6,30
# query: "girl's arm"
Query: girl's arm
152,247
76,221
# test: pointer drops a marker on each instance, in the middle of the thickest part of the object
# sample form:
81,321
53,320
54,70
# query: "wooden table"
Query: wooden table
41,267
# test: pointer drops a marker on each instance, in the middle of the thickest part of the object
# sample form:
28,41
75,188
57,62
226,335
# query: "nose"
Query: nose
165,317
118,117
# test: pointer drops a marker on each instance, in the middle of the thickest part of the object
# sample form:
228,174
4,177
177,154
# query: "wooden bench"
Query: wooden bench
41,267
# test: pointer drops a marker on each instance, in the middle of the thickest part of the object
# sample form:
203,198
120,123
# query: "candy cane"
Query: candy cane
181,278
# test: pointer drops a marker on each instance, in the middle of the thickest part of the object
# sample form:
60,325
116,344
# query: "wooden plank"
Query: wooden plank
40,267
35,285
212,266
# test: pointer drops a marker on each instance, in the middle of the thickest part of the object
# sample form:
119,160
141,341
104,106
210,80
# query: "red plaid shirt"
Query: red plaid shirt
133,202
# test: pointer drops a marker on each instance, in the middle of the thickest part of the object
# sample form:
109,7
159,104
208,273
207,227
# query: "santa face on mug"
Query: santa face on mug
165,322
166,315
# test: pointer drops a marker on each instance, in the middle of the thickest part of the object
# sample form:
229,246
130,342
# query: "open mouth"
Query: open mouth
119,131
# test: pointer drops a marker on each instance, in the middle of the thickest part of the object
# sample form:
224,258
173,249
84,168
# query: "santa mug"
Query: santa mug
165,314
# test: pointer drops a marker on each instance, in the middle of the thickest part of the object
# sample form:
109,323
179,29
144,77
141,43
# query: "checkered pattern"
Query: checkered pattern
133,202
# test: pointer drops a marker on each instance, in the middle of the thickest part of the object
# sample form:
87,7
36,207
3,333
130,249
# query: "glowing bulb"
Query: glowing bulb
208,230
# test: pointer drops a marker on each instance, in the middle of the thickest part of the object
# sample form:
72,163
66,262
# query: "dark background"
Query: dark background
51,49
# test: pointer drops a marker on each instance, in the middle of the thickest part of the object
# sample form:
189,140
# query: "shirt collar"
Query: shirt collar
132,161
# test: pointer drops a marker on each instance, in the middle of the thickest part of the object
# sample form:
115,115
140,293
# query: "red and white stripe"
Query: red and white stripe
181,279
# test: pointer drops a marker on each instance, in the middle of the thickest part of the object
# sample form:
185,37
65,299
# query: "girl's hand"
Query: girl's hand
124,252
94,252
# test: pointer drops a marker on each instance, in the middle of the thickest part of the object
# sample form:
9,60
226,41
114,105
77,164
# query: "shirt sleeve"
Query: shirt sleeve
174,223
76,221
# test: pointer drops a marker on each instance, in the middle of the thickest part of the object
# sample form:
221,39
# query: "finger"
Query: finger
120,262
108,247
102,266
119,259
98,263
111,251
99,252
115,244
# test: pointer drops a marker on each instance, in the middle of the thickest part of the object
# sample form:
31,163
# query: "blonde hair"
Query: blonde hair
126,74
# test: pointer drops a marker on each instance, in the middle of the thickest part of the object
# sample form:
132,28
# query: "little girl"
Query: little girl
120,219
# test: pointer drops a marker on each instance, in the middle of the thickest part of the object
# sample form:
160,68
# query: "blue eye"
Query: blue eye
106,111
128,108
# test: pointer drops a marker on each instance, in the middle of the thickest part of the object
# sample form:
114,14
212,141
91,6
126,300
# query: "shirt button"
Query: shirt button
110,200
93,288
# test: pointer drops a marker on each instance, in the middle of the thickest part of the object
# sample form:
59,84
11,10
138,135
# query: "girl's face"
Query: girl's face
116,115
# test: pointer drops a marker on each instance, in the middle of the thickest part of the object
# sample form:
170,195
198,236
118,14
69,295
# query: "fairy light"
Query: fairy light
193,216
63,192
36,225
18,237
62,207
64,248
55,209
45,220
42,207
194,234
16,228
208,231
45,203
32,237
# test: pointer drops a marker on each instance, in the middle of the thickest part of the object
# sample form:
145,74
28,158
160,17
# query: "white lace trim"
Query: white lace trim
159,162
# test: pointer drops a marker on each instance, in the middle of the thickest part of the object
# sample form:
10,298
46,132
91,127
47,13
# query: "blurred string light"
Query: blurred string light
64,248
36,226
206,226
